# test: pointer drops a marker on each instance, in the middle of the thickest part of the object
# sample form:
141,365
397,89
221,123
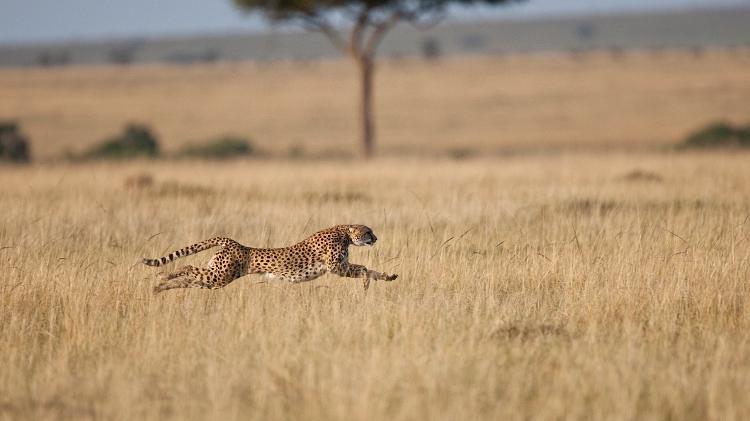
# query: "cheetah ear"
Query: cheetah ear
351,229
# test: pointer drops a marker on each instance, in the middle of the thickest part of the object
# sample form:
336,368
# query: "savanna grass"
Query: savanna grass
551,287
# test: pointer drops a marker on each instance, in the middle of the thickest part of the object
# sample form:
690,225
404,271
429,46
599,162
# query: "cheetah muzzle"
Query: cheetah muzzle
325,251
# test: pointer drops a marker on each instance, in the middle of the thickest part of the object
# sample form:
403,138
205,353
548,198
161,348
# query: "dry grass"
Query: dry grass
579,285
544,287
481,103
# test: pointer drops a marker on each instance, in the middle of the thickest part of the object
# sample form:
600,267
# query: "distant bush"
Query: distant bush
639,175
14,146
719,134
136,141
585,31
431,48
53,58
209,55
220,148
460,153
296,151
124,53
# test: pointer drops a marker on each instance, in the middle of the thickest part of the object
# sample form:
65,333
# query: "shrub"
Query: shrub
639,175
719,134
296,151
220,148
14,146
136,141
209,55
53,58
124,54
460,153
431,48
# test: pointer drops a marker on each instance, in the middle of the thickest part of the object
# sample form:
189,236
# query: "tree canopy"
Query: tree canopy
379,16
370,21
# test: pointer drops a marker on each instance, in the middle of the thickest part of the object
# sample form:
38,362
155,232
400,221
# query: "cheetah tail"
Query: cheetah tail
187,251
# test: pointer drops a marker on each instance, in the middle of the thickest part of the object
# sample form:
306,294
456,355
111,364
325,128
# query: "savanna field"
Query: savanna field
581,284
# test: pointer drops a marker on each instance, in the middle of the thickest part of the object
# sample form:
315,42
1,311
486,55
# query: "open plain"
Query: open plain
500,104
605,282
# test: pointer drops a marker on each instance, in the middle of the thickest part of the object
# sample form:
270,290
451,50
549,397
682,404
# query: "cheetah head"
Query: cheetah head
361,235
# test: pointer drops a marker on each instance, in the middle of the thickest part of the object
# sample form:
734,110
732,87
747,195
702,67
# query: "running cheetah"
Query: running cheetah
324,251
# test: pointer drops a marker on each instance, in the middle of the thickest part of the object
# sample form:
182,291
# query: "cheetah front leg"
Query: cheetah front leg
351,270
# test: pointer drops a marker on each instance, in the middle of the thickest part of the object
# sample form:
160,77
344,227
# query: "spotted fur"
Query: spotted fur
324,251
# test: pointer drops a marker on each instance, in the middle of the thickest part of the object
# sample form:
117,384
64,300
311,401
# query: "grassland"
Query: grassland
579,285
486,104
546,287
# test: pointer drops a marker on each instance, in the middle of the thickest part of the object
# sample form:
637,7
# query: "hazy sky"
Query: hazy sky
56,20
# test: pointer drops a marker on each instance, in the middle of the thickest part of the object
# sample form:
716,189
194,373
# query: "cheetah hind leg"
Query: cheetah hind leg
167,276
184,277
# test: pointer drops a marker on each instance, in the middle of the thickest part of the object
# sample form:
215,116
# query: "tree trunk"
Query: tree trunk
366,71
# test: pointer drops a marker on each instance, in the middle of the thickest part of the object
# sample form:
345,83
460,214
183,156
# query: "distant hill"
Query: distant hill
695,29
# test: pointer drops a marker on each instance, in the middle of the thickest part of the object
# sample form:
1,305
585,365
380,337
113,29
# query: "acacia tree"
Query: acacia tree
369,21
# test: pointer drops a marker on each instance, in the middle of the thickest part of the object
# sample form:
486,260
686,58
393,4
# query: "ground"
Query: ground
545,286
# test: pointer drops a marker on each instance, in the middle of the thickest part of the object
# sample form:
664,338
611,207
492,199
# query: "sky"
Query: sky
33,21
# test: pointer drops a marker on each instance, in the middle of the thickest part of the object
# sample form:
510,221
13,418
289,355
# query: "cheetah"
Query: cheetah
324,251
